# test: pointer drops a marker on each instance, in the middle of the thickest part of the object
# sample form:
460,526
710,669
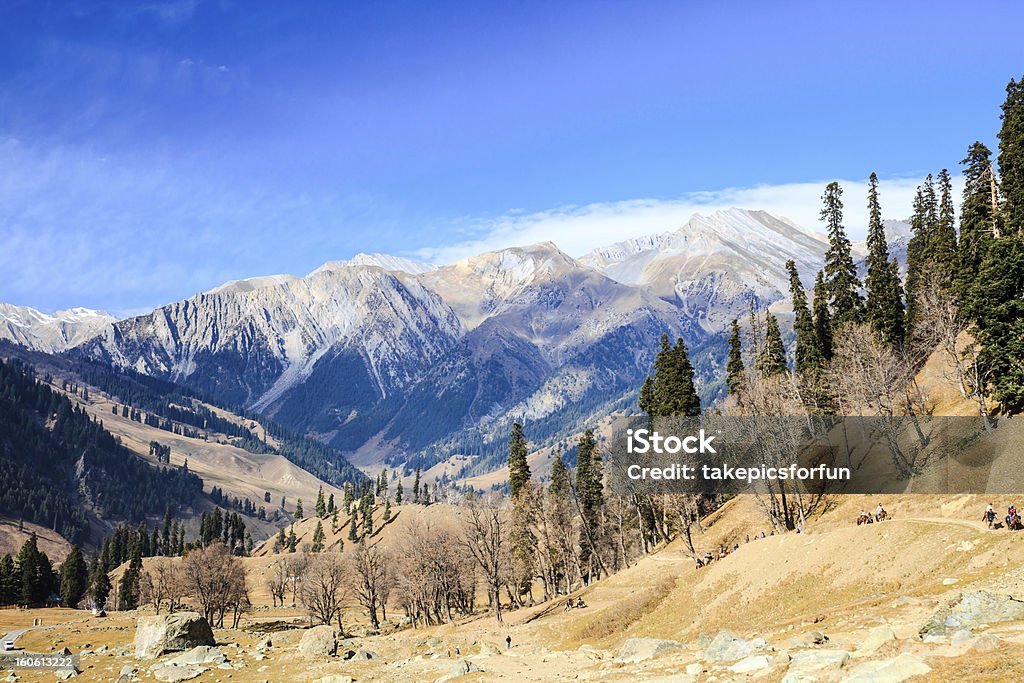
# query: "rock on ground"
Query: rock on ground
173,674
319,640
750,664
171,633
876,638
460,669
972,610
641,649
203,654
888,671
726,647
805,665
335,678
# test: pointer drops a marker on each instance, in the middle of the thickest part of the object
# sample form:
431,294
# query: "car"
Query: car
8,645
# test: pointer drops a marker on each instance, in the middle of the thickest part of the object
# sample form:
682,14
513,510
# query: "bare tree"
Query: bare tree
161,582
277,581
435,578
370,579
944,326
216,578
486,539
323,588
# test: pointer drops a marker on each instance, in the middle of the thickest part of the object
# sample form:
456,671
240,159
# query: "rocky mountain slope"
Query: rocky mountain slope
51,332
415,361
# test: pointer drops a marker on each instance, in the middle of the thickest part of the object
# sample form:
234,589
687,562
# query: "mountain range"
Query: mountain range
403,361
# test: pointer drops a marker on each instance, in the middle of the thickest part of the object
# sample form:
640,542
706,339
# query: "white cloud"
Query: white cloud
579,229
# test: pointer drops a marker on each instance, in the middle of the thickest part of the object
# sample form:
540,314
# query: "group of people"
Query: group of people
724,551
866,518
579,604
1012,519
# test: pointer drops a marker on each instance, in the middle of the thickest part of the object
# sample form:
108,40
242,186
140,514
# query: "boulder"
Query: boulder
489,649
960,637
641,649
726,647
335,678
888,671
319,640
807,664
987,643
173,674
460,669
972,610
171,633
876,638
66,673
750,664
363,655
203,654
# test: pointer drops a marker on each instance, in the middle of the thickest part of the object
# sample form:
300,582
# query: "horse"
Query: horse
864,518
882,516
1013,523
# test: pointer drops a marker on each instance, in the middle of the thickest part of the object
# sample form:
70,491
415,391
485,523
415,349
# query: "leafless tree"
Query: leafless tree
323,588
370,579
486,540
216,578
277,581
161,582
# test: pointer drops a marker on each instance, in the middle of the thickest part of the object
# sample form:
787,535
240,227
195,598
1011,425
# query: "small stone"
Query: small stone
750,664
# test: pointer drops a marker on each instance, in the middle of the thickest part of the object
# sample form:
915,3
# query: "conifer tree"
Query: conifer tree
1011,158
293,541
321,504
841,283
9,581
387,510
773,357
944,237
99,588
735,373
318,537
398,493
977,219
416,487
590,495
1000,320
673,393
559,477
884,310
806,354
822,317
298,509
353,533
74,577
518,467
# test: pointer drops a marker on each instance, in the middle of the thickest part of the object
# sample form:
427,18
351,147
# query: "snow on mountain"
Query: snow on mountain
250,283
385,261
51,333
712,266
252,346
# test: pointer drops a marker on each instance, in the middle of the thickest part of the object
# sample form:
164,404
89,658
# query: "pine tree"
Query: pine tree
298,509
9,581
416,487
99,587
398,493
646,400
773,357
35,573
353,534
841,283
822,317
293,541
735,373
74,577
321,504
590,494
318,537
1011,158
387,510
977,219
806,355
559,477
331,509
944,236
673,392
1000,320
282,541
884,310
518,467
128,588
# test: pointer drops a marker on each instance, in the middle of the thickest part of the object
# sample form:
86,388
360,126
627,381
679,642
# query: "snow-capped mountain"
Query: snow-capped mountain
414,358
51,333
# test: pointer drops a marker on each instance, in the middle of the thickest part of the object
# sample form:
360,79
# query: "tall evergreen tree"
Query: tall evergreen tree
9,581
822,317
321,504
318,537
884,309
518,467
773,356
559,477
841,281
1000,319
99,585
944,237
1011,158
977,219
807,355
735,373
74,577
673,392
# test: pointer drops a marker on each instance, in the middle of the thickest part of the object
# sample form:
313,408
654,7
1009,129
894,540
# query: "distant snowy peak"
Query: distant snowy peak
250,284
51,333
385,261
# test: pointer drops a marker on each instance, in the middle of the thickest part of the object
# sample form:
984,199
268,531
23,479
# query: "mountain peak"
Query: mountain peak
384,261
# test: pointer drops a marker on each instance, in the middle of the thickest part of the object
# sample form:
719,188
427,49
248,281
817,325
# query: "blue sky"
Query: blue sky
152,150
